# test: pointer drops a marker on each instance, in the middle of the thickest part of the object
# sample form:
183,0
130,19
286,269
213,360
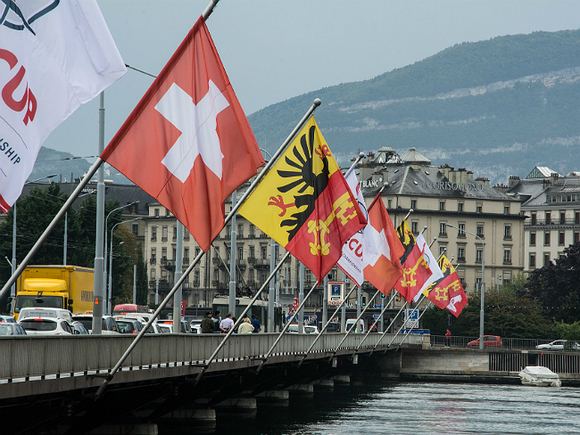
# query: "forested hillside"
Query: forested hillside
497,107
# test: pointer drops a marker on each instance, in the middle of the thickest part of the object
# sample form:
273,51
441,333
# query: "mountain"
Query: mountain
498,108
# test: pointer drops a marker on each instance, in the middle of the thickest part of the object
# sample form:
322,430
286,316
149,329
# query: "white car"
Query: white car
308,329
108,325
558,345
46,326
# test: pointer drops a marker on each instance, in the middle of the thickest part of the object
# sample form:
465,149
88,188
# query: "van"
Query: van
359,329
41,313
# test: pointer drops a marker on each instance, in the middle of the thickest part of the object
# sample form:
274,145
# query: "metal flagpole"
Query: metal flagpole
176,275
353,325
240,319
228,218
300,307
387,328
380,317
325,327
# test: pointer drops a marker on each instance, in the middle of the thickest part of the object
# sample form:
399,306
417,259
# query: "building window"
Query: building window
479,208
546,238
153,234
461,253
479,231
174,230
241,230
153,256
534,219
460,206
240,253
546,258
415,227
135,229
577,218
461,232
507,232
507,256
506,209
561,238
264,252
164,231
562,217
252,251
532,239
252,230
186,234
164,253
196,280
442,229
442,249
576,236
441,205
413,203
532,261
548,218
389,203
478,255
156,212
167,213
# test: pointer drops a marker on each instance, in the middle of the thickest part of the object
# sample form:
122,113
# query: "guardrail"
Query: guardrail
507,343
26,358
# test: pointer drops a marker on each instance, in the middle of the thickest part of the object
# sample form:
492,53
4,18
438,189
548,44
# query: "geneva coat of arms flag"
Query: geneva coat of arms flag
447,291
305,204
54,56
188,143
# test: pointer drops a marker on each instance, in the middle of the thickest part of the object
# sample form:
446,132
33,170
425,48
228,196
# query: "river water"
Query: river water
413,408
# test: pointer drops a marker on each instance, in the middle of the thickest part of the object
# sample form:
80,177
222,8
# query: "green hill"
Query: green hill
497,107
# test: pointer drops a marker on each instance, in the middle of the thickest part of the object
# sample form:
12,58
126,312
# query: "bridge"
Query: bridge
49,384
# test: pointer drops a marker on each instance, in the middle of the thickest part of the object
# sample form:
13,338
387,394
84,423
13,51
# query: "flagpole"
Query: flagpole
234,210
50,227
240,319
209,9
353,325
300,307
384,308
326,325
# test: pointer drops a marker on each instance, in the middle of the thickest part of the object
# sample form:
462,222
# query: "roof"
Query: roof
541,172
413,156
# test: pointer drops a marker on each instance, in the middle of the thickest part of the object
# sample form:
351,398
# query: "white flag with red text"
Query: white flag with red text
54,56
351,262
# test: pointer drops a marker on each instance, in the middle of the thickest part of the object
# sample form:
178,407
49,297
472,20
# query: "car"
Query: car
11,328
308,329
196,328
7,319
108,325
79,328
129,326
46,326
40,312
488,341
558,345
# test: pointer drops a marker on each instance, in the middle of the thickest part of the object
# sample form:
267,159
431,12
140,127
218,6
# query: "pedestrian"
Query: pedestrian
216,321
448,338
207,324
227,323
246,326
256,323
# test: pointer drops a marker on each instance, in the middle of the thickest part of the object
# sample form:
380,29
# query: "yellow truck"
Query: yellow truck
69,287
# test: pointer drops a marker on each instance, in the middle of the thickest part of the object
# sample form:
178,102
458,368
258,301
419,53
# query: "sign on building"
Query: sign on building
335,293
411,319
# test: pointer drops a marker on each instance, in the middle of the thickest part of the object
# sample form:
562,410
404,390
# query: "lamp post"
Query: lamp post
110,290
105,244
14,230
482,309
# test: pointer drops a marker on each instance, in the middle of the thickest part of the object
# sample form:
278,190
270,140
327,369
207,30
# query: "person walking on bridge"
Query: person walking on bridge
207,324
448,338
227,323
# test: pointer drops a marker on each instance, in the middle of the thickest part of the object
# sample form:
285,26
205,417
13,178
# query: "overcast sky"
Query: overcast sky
273,50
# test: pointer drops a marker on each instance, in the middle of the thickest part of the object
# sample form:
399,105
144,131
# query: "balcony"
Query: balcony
153,260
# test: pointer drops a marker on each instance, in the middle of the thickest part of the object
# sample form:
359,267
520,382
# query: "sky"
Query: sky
274,50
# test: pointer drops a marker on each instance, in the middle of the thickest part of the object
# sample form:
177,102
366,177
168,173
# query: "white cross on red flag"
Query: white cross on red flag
188,142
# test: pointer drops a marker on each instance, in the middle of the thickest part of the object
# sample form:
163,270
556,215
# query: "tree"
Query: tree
555,286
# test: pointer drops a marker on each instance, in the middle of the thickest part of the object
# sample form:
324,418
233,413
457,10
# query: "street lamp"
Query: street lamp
13,263
110,290
482,309
105,244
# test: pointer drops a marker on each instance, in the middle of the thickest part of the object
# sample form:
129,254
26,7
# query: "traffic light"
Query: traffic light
364,301
383,295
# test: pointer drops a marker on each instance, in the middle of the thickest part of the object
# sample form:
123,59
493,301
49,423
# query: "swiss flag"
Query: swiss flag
188,143
382,249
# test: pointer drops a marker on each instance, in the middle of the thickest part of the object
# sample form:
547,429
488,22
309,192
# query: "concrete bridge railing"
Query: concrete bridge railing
24,358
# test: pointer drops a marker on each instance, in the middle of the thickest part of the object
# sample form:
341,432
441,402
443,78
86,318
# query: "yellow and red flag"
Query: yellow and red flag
415,269
447,292
304,203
